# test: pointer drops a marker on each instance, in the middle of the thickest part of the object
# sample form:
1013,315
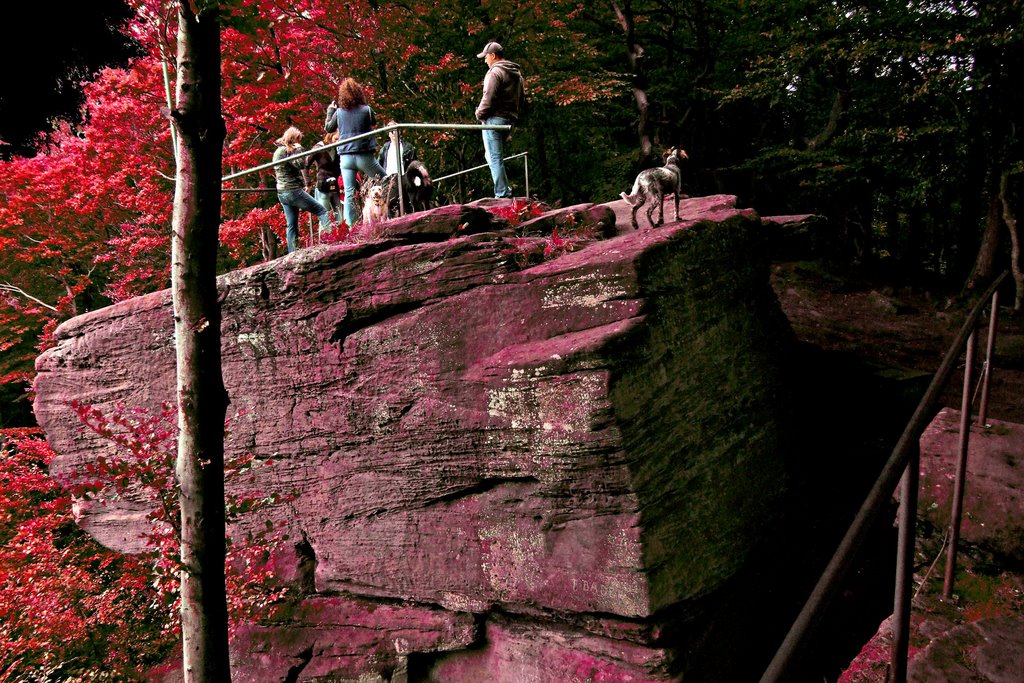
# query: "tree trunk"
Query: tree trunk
984,263
624,15
202,399
1011,224
840,103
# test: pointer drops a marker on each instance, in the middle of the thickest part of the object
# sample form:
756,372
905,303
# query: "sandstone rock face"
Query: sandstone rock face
985,651
586,447
993,516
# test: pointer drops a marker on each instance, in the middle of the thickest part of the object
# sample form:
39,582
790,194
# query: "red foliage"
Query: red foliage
531,250
67,605
517,211
145,465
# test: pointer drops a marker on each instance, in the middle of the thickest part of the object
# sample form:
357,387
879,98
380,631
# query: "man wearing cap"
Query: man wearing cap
500,104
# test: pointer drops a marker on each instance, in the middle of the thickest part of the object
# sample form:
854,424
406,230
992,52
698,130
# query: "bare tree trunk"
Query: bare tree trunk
202,399
840,103
1011,223
624,15
984,263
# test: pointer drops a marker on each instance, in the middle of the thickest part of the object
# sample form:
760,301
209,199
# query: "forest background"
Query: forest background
897,122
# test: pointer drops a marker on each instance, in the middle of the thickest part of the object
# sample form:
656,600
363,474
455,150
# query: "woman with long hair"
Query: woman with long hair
291,186
351,116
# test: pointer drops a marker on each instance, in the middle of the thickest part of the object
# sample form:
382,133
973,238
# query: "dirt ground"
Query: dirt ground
902,326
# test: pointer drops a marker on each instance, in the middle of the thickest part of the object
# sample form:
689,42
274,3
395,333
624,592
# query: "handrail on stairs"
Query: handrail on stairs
902,463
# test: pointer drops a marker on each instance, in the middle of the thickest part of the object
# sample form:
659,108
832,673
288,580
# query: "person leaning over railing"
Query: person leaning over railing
291,184
353,117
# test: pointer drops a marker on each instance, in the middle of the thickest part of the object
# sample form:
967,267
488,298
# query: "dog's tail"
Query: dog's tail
632,196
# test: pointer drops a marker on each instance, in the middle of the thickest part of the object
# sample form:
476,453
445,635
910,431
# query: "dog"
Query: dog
417,189
653,184
375,206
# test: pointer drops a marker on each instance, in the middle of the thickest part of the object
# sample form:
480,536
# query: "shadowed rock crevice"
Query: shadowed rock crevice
305,564
482,487
351,325
304,657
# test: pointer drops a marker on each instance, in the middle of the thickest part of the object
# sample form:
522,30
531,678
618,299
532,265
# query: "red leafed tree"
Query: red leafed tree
81,225
85,223
68,606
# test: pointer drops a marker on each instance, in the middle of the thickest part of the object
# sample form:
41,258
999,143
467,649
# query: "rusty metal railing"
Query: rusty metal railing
903,464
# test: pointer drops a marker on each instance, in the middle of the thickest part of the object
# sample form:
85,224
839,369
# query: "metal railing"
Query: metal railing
398,128
903,464
526,170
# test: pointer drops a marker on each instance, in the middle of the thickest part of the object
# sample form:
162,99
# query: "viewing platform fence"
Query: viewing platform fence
398,128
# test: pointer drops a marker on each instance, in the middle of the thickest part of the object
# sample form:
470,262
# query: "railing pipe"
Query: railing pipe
905,568
990,347
876,501
477,168
363,136
435,180
956,517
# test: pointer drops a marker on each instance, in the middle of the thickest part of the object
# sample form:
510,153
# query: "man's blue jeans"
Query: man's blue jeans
294,201
494,152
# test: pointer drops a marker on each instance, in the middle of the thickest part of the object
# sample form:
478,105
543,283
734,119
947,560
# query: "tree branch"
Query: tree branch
839,105
8,287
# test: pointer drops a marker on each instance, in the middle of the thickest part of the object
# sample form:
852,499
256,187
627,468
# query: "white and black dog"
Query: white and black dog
653,184
417,189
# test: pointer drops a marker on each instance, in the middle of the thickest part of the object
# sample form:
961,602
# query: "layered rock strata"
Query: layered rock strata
536,474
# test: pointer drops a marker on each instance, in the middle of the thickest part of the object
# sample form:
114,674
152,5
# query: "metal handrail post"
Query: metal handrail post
401,172
990,347
475,168
877,499
526,171
961,468
905,568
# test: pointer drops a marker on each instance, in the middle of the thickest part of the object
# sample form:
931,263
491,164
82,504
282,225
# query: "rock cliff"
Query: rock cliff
489,472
